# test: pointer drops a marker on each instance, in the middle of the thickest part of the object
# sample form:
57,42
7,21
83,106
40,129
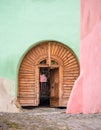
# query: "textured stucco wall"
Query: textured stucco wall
25,22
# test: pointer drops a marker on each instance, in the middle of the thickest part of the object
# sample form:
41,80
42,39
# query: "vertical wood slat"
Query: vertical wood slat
49,55
55,48
58,49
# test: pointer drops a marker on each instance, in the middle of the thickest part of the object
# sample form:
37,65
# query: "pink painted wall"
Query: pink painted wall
86,94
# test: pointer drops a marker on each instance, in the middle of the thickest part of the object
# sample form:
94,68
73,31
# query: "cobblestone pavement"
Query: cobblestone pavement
44,118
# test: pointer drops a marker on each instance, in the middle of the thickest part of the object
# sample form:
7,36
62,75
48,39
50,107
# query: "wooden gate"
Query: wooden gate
64,68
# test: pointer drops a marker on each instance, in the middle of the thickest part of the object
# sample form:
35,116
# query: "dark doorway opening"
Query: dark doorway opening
44,86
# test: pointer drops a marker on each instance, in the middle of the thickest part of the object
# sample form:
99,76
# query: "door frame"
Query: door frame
38,85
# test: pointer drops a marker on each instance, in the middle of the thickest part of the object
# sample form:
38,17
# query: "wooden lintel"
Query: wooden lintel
43,65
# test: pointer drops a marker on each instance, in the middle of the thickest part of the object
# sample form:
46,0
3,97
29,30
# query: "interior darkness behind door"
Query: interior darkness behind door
44,86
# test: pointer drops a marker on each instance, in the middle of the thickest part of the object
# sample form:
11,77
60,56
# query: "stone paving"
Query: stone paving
44,118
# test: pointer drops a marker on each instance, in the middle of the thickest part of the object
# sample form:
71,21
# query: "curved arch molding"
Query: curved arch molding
28,76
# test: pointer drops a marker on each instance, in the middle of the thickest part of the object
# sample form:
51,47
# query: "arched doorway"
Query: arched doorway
47,74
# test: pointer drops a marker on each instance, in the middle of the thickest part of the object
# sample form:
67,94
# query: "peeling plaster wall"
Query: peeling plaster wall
25,22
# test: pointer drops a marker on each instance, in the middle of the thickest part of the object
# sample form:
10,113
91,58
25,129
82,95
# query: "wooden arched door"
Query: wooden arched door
64,70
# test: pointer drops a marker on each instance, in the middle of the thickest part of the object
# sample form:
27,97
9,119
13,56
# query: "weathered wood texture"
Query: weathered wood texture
54,87
28,77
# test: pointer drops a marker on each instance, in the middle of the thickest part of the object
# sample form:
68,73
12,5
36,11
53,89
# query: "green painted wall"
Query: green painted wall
25,22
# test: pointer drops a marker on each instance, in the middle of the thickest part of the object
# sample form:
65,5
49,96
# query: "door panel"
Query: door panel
54,87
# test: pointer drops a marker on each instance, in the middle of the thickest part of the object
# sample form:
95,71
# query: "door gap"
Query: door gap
44,87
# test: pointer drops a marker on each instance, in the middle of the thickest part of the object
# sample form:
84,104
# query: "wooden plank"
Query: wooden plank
26,90
29,59
61,51
70,64
37,85
31,56
65,85
73,61
72,68
51,49
68,82
26,93
27,101
27,96
58,50
66,95
43,65
26,82
71,58
35,56
70,72
64,55
26,87
66,71
70,54
22,85
69,78
46,50
26,75
54,48
39,50
27,71
71,75
35,52
67,59
27,79
67,91
67,88
26,68
42,49
27,65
